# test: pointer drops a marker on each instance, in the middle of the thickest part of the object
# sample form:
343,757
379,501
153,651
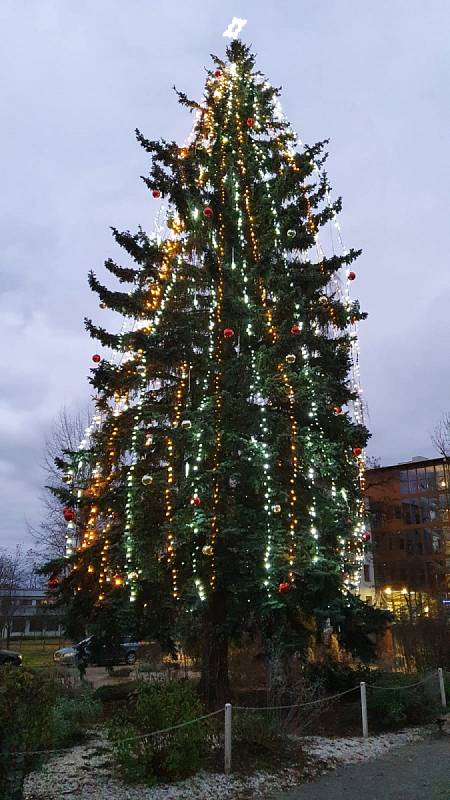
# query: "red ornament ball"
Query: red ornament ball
53,582
337,410
69,514
295,329
366,537
96,358
357,451
195,501
228,333
283,586
250,122
218,73
207,212
156,193
351,276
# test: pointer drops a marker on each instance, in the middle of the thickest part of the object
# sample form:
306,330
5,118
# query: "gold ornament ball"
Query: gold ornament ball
186,424
290,358
147,479
276,509
323,299
207,550
290,233
103,305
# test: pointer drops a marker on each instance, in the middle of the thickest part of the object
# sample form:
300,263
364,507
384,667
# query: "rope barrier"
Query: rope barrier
296,705
127,739
399,688
151,734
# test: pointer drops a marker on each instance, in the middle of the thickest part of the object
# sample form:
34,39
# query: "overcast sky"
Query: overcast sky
76,78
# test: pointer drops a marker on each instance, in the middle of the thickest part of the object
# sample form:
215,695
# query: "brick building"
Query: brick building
408,506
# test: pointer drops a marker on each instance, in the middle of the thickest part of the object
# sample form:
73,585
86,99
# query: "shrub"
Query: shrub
397,705
70,716
424,643
336,677
260,739
170,756
26,699
117,692
35,715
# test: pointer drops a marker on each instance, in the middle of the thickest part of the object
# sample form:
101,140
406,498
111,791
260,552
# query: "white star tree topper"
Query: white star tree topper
234,28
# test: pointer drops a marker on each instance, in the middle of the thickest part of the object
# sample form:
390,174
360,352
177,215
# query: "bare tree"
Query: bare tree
15,574
441,435
372,462
65,435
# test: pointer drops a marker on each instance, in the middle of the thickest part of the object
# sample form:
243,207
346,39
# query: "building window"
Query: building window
436,543
412,480
377,511
51,625
421,479
367,573
36,625
404,485
431,478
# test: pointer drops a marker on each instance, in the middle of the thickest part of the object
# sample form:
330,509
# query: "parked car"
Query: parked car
98,653
66,656
10,657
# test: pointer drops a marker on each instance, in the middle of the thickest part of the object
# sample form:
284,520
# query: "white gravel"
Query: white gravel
354,750
83,773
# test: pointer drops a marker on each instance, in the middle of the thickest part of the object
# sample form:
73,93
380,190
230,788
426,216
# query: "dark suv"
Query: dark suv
97,652
10,657
101,653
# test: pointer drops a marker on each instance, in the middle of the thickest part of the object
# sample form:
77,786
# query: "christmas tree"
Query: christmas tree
219,487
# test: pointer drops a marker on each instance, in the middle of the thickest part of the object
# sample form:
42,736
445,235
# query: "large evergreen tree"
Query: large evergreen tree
225,458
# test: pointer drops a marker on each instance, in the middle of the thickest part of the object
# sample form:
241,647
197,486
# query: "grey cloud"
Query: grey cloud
76,79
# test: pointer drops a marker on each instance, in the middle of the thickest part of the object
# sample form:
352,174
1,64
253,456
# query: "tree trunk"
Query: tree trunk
215,682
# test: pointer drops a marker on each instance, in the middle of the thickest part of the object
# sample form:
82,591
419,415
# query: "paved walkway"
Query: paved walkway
414,772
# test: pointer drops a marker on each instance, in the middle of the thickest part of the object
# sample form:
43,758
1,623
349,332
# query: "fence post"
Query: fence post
227,738
442,687
365,724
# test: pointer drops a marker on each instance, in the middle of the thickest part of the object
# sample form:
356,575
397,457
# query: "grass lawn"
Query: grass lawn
35,652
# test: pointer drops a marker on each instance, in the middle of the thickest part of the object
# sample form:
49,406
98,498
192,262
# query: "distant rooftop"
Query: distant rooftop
414,460
22,592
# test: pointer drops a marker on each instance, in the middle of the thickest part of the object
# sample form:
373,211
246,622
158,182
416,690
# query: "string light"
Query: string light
223,103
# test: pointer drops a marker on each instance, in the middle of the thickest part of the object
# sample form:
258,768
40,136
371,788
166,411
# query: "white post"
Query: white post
442,687
365,724
227,738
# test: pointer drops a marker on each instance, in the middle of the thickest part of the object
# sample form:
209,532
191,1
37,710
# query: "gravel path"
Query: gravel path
419,771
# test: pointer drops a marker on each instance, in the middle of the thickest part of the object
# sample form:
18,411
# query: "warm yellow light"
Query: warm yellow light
388,590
